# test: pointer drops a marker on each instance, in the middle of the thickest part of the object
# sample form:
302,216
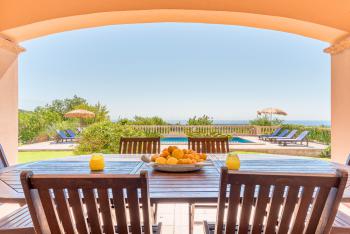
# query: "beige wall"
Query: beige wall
9,104
25,19
340,105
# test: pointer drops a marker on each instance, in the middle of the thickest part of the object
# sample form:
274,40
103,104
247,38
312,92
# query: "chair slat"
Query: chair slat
289,206
233,204
128,151
120,211
139,147
277,199
63,211
146,210
149,146
317,209
77,208
134,210
219,227
246,208
304,203
92,211
105,209
263,198
46,201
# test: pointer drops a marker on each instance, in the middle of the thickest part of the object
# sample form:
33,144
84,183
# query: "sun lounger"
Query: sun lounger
71,133
290,135
270,135
61,136
300,139
282,134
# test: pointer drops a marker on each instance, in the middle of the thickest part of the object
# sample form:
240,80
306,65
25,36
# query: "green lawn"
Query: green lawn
24,157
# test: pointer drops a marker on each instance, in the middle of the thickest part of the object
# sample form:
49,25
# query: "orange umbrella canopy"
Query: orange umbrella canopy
272,111
79,113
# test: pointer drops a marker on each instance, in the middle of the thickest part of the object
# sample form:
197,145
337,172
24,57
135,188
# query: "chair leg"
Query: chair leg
155,210
191,209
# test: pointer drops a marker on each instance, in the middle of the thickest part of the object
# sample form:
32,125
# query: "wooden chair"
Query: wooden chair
139,145
3,160
283,203
212,145
67,203
205,145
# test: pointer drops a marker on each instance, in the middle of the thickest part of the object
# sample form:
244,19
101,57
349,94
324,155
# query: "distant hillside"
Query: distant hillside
23,111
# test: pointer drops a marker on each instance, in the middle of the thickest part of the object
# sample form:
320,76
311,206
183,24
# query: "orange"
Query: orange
204,156
165,153
172,160
161,160
171,148
177,153
154,157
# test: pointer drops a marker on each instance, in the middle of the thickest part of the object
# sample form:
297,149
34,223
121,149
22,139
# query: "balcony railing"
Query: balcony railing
181,130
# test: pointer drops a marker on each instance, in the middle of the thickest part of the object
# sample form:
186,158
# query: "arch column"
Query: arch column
340,99
9,52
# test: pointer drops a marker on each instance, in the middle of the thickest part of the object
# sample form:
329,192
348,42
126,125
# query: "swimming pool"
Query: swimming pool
182,140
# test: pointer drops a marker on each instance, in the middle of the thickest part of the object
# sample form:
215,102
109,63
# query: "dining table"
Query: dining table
197,187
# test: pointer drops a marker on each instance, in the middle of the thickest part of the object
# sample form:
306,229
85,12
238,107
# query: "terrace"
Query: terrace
327,21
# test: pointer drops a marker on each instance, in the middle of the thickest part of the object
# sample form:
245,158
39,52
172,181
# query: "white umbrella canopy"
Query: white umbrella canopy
80,113
272,111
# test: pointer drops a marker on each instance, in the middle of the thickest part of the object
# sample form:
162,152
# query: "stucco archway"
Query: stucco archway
327,21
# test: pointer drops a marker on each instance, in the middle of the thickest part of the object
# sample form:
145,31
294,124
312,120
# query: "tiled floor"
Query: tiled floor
174,217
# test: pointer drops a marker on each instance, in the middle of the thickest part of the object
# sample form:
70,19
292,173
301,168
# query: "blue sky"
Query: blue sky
178,70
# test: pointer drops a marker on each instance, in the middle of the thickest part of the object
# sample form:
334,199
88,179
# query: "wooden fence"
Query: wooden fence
182,130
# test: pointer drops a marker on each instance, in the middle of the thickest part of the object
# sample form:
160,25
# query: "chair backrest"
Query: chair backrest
139,145
279,202
83,203
71,133
277,130
292,133
302,135
61,134
283,133
3,159
213,145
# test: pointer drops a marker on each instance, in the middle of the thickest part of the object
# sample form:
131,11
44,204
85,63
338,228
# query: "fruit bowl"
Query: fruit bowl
173,159
177,167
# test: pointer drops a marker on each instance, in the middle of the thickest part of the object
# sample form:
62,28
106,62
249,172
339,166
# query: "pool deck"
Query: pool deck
312,150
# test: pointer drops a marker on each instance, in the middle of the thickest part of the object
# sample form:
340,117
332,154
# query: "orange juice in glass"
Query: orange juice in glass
233,162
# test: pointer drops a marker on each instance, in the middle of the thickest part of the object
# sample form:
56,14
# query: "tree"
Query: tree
203,120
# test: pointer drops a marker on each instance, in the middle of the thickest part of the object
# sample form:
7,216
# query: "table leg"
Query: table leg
191,209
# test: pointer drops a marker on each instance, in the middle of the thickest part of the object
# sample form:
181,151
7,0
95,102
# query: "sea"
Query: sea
326,123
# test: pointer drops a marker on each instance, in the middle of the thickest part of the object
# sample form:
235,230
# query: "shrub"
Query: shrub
203,120
139,120
326,153
265,121
318,134
104,137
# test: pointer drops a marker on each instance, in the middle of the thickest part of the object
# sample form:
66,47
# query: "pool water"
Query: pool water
181,140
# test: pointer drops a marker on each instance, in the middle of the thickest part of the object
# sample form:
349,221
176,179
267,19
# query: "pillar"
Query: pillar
9,98
340,99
